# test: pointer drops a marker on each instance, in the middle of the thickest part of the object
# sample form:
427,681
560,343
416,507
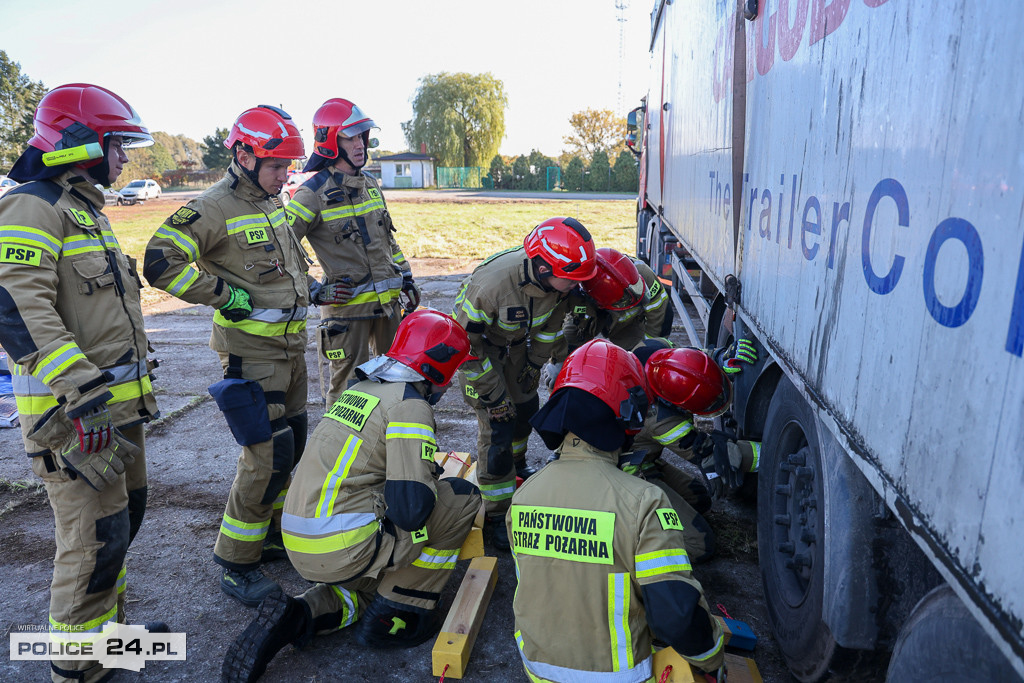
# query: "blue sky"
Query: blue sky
191,66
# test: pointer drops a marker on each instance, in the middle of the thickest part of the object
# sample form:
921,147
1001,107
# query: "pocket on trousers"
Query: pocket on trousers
245,409
332,338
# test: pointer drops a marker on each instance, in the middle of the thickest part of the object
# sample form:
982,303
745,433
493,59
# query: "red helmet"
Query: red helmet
337,116
432,344
613,375
269,131
565,245
78,114
689,379
617,285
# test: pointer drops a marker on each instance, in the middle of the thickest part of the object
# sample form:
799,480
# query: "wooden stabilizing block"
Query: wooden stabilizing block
473,546
738,634
458,634
454,464
741,669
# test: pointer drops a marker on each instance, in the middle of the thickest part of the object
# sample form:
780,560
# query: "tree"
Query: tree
498,172
572,178
459,116
19,96
147,162
540,163
595,130
625,176
216,156
599,178
521,173
183,150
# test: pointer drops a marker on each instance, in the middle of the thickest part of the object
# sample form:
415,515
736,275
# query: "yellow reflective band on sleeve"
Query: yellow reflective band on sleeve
563,533
182,241
352,408
618,621
669,519
56,362
704,656
244,531
475,314
20,254
81,244
398,257
360,209
299,211
186,278
329,544
434,558
662,562
496,492
279,501
410,430
474,376
243,223
259,328
31,237
673,435
349,607
420,535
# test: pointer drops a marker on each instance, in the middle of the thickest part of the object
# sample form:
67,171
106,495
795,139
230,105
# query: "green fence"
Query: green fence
554,178
463,176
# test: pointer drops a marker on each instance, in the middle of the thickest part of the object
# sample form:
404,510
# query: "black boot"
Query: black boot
388,624
281,620
524,470
495,533
273,548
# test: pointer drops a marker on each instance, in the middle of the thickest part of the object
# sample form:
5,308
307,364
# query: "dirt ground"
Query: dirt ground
191,458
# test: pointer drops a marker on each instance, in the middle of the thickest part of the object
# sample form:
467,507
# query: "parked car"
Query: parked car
111,196
140,190
6,184
294,182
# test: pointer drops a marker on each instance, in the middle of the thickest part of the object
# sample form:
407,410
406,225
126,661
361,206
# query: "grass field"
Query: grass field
466,230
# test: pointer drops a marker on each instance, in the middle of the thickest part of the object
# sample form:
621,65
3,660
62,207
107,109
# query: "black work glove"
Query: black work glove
335,293
529,377
412,294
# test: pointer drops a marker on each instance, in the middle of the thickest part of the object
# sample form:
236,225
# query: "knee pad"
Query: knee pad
499,459
112,531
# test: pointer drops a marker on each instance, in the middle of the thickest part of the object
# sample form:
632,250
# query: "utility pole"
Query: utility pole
621,6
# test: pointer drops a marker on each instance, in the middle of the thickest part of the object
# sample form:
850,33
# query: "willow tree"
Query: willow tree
460,118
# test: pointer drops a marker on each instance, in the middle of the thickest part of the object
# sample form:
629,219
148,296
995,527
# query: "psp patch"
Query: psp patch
184,216
20,254
82,218
374,193
669,519
420,535
654,288
427,451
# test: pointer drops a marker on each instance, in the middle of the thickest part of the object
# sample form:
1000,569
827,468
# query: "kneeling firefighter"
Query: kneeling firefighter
367,516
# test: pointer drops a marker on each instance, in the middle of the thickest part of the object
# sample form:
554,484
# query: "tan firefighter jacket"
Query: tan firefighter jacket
502,304
368,470
622,328
236,235
69,302
348,225
593,545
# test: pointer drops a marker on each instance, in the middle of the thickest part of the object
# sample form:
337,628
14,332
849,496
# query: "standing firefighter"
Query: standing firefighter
76,341
513,306
624,301
366,514
253,271
341,212
599,548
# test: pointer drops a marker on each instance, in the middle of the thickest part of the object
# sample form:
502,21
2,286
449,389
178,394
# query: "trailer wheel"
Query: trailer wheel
643,237
791,536
941,641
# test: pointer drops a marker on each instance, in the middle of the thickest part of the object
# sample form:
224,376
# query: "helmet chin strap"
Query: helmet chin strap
254,174
101,171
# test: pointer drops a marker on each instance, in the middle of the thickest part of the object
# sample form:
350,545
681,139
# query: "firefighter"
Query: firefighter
252,270
600,548
341,212
513,305
366,516
689,382
624,302
76,344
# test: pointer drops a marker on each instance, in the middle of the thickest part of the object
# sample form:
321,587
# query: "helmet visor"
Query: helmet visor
133,139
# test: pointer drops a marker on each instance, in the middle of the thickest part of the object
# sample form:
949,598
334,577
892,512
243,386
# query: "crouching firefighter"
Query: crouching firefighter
253,271
73,330
602,549
366,515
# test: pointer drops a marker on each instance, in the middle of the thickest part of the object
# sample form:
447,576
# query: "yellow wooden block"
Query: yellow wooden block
461,627
454,464
473,546
741,669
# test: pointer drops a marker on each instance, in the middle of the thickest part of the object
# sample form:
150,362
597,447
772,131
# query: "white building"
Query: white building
406,170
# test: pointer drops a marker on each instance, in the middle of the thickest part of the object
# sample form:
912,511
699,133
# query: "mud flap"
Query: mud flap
245,409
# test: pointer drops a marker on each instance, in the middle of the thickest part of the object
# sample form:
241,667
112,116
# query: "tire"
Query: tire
791,536
643,246
941,641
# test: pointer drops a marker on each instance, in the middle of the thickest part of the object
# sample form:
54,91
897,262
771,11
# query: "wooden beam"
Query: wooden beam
741,669
459,631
